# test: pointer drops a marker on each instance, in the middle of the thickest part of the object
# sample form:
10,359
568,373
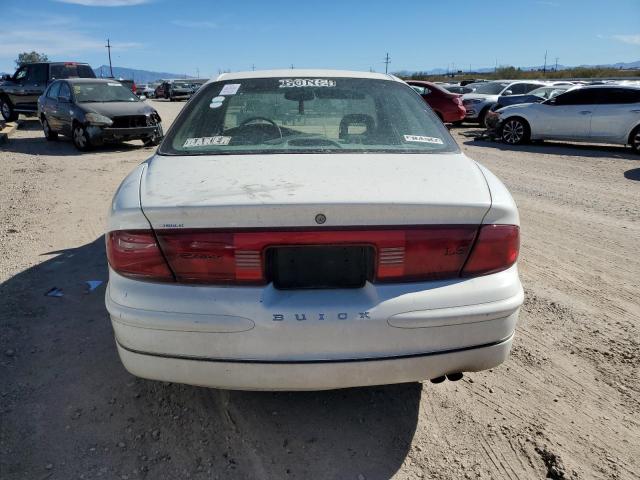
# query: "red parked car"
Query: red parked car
448,106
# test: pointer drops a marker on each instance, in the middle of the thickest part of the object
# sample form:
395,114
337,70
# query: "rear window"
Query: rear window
306,115
71,70
490,88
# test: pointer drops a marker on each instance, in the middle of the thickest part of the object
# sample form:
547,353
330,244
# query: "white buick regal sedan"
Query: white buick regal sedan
309,230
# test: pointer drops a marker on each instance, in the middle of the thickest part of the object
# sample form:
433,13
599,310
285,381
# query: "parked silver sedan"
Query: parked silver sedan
595,114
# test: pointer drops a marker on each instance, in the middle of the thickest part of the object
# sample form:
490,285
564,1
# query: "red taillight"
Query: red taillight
212,257
135,253
496,249
424,254
238,258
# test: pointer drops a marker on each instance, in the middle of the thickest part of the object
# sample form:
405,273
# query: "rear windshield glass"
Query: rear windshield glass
102,92
71,70
490,88
286,115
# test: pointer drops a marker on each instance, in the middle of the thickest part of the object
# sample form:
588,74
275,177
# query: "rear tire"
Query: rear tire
515,131
48,133
482,117
8,113
80,138
634,139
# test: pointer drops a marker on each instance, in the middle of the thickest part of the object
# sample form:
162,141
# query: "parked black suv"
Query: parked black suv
19,93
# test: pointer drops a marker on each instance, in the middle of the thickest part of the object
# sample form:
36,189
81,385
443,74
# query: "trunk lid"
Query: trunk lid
290,190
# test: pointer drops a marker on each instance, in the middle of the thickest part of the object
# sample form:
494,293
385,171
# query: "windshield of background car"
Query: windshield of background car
490,88
306,115
102,92
181,85
71,70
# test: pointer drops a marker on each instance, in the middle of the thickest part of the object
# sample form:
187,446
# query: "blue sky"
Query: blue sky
187,36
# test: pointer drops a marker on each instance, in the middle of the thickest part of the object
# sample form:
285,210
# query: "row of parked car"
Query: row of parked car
69,100
519,111
513,111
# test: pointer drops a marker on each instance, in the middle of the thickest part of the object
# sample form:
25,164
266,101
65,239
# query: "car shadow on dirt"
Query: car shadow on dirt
560,148
633,174
70,408
63,146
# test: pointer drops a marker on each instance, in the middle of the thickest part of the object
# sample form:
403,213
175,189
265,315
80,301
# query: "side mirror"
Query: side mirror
507,92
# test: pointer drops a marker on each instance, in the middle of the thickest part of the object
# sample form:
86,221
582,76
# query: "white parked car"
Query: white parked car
486,94
595,114
310,229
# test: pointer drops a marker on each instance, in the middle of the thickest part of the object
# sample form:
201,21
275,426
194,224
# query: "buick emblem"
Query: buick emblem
320,218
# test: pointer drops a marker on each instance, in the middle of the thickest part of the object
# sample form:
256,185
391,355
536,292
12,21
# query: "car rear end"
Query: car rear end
454,110
308,270
181,91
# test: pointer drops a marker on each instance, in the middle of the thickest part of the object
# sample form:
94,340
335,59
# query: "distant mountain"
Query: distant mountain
138,76
619,65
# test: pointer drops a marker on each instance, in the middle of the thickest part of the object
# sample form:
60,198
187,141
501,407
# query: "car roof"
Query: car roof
91,80
610,85
297,73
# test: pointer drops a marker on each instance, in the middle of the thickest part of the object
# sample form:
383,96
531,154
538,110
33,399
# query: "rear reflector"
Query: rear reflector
239,258
135,253
496,249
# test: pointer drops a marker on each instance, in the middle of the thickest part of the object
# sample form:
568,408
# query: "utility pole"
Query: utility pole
197,72
109,50
556,64
496,67
292,66
544,69
387,61
253,67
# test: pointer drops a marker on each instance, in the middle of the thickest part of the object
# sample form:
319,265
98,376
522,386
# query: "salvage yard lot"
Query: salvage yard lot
565,404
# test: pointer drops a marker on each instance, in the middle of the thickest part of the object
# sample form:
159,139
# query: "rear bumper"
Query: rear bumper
321,375
263,338
455,114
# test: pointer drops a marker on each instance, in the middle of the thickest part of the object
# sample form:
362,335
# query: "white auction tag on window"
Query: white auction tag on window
204,141
420,138
230,89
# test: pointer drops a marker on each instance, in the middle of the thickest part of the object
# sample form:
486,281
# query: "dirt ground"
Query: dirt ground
565,405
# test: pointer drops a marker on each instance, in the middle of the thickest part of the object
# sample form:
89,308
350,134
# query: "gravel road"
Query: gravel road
565,405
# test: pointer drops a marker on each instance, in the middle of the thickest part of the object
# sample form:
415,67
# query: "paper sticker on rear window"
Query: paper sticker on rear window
420,138
230,89
111,84
204,141
306,82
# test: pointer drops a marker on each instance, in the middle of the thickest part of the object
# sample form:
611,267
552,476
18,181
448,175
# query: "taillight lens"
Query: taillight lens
135,254
238,258
212,257
424,254
496,249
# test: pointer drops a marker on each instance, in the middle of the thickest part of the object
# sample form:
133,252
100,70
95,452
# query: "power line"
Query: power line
387,61
109,50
